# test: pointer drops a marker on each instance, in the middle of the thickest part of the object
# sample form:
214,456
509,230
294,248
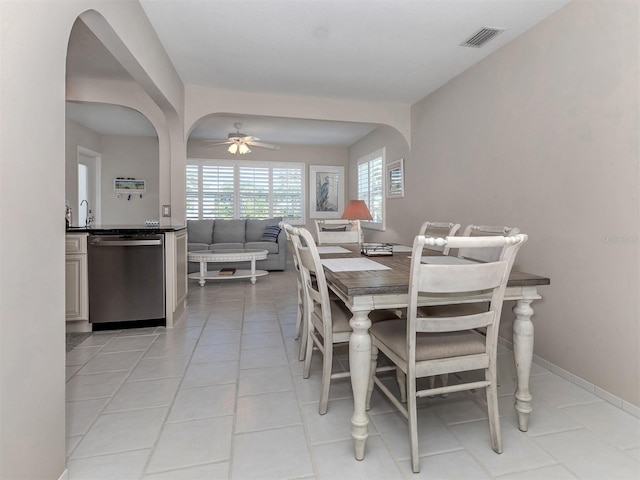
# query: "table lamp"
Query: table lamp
357,210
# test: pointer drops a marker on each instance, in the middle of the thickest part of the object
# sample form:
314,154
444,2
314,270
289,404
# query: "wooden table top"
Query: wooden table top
396,280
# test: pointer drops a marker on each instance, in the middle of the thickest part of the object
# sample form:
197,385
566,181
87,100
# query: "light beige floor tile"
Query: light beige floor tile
170,347
129,343
333,426
216,353
556,472
558,392
202,402
128,465
121,432
264,380
433,435
81,414
71,443
192,443
200,375
544,418
611,423
271,454
268,410
162,367
99,385
271,326
216,337
111,362
261,340
588,456
458,464
145,394
211,471
263,357
520,452
71,371
336,461
81,355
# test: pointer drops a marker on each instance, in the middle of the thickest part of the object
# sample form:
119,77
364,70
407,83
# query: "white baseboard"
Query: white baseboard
580,382
65,475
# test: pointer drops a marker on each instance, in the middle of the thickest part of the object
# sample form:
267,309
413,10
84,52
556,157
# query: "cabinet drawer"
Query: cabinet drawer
76,243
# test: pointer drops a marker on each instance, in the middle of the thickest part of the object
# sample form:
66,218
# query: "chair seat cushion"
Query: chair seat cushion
340,316
392,333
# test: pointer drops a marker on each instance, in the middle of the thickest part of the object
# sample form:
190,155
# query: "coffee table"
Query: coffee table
222,256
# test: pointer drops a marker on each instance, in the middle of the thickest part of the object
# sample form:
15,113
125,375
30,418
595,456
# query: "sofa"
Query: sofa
249,233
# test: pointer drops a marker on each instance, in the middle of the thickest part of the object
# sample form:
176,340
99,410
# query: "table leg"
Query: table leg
203,271
360,368
253,270
523,355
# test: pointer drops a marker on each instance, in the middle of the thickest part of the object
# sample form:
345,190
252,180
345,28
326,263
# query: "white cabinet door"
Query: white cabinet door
76,292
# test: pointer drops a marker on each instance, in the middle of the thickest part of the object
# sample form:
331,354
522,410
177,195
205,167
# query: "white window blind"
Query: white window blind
371,187
241,189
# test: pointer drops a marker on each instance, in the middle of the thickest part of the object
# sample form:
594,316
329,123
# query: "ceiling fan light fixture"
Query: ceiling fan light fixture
243,149
233,149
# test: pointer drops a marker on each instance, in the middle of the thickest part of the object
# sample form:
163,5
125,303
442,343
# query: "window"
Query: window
371,187
241,189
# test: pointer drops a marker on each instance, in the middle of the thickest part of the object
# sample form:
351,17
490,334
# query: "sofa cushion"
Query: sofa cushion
255,228
268,246
270,234
194,247
229,231
227,246
200,231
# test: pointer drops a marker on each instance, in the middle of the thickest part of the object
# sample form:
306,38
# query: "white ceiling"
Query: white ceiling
395,51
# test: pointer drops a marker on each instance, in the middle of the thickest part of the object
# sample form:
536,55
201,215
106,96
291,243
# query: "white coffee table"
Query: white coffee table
222,256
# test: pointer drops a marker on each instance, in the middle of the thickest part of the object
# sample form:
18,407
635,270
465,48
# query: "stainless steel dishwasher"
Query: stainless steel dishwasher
126,278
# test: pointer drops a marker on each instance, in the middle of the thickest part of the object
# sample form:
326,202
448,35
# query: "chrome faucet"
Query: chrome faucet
89,220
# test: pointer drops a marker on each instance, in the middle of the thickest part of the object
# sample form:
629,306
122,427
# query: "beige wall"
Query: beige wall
33,46
543,135
134,157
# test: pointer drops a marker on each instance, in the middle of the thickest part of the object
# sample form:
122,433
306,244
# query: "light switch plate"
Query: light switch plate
166,210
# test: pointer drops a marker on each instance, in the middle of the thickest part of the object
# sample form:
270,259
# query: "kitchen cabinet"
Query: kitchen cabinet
76,285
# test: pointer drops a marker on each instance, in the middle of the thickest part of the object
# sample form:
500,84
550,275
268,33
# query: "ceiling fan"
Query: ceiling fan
239,143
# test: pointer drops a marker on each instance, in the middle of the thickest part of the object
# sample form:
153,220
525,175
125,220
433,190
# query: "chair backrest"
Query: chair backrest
485,254
313,277
338,231
439,229
465,281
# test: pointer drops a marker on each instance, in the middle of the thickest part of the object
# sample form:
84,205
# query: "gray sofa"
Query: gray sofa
237,234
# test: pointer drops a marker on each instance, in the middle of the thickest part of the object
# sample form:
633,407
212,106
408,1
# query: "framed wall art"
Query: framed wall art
326,191
395,179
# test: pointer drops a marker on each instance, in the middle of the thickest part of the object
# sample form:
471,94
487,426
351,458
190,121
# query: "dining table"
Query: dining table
366,283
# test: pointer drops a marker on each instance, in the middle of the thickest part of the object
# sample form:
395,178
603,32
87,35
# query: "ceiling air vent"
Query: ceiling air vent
482,36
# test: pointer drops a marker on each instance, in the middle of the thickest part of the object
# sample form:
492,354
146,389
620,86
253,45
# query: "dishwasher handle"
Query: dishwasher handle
106,241
127,243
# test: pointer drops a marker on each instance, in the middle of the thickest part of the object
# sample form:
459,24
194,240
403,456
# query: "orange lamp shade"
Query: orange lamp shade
356,210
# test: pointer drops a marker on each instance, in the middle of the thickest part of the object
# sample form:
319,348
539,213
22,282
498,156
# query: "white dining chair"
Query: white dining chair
439,229
300,331
326,316
430,346
338,231
487,255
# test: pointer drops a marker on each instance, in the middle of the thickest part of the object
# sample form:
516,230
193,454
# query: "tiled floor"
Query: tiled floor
221,396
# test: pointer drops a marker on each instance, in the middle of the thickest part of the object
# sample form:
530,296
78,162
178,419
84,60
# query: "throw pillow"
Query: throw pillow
335,229
270,233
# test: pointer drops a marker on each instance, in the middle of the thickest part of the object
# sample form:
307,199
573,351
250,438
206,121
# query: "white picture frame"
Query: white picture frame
326,191
395,179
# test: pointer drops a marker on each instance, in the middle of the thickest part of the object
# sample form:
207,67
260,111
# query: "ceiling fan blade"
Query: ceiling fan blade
214,143
264,145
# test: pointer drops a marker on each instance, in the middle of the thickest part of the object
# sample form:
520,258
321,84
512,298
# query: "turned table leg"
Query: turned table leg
523,355
360,367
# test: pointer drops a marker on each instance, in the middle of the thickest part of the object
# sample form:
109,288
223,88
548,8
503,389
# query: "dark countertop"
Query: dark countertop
115,229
